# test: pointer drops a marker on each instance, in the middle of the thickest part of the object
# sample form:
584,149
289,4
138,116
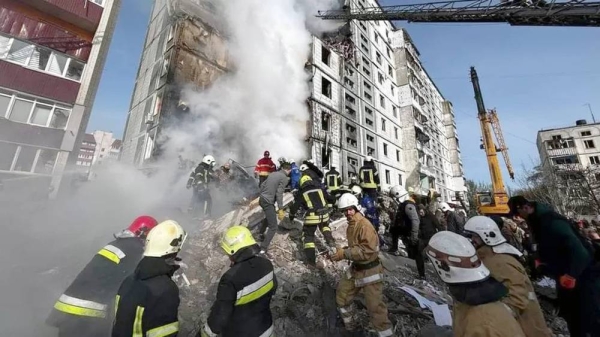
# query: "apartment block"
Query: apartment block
428,126
570,148
51,58
86,153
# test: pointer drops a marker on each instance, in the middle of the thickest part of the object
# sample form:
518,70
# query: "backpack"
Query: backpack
591,246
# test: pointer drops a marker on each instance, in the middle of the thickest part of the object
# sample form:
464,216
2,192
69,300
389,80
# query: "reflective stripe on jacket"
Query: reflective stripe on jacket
369,177
363,248
333,180
264,167
314,199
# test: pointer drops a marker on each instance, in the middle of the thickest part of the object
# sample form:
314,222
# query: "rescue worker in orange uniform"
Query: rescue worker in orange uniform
501,259
264,166
365,272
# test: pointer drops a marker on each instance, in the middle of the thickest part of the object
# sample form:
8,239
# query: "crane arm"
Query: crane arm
493,116
575,13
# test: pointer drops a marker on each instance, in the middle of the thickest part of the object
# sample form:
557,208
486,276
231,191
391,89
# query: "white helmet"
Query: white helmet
292,161
282,160
368,158
490,234
356,190
312,161
399,193
445,207
348,200
164,239
209,160
454,259
303,167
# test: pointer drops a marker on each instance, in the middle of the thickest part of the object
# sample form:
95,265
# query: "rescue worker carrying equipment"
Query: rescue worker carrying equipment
477,308
314,199
565,257
243,304
501,260
333,180
148,300
264,166
271,192
200,179
86,304
294,176
366,271
368,177
406,222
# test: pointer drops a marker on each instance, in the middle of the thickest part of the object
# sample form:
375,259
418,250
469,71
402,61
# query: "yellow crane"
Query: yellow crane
493,202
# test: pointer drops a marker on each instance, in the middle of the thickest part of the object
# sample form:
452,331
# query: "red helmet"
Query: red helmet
142,225
267,154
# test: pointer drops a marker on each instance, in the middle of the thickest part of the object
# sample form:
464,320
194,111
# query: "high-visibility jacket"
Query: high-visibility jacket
368,176
87,302
264,166
201,177
243,304
147,302
314,200
333,180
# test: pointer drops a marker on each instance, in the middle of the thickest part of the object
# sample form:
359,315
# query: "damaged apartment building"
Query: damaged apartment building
362,101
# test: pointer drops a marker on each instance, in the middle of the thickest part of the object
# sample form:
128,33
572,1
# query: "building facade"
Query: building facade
51,59
85,158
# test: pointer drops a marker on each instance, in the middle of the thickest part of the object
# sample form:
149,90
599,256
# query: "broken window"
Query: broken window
369,122
46,161
351,142
25,159
368,97
325,119
397,155
325,87
586,133
378,57
395,111
368,111
7,154
380,78
366,71
385,149
348,82
370,151
350,99
589,144
382,124
399,179
351,129
376,38
387,176
594,160
396,132
391,71
367,85
382,101
325,55
370,138
350,111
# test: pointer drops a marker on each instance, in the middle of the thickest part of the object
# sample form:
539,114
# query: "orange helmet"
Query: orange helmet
142,225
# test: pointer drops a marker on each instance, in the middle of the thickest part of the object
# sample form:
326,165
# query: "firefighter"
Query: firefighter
501,259
84,306
452,220
477,310
333,180
200,180
264,166
406,221
243,304
312,170
148,300
365,272
314,200
369,178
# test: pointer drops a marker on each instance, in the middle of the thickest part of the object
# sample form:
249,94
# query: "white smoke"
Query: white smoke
262,104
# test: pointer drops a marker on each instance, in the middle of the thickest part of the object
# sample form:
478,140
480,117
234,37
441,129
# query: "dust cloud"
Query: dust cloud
260,105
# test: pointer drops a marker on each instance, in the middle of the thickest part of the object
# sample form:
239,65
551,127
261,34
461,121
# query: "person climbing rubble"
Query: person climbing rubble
263,167
368,177
406,221
365,272
200,180
243,303
500,258
452,220
271,193
85,305
477,306
147,301
568,259
333,180
314,199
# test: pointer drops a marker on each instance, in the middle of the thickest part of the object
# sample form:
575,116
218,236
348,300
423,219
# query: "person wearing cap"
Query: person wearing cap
243,304
477,298
453,222
500,258
264,167
562,256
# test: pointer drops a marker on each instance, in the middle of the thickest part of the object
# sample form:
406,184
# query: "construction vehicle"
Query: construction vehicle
493,202
572,13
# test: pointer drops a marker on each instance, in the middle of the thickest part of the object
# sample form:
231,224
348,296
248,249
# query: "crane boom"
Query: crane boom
575,13
501,143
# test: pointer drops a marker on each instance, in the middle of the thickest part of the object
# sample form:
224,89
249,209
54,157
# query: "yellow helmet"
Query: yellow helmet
304,180
236,238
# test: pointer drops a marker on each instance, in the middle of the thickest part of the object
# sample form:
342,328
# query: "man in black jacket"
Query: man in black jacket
85,305
148,300
428,226
243,304
453,222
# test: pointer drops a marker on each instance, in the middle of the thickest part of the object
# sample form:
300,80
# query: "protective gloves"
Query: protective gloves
280,214
567,281
338,255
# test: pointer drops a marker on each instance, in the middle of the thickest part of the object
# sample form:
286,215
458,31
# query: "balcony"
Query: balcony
28,134
426,170
569,151
82,13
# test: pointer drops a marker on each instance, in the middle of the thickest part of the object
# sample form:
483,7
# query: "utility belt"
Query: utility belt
316,217
365,266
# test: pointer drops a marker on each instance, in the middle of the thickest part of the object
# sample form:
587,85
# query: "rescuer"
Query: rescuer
366,271
148,300
333,180
200,180
428,226
453,221
406,221
563,256
294,176
369,178
314,199
312,170
224,174
271,192
243,304
477,309
369,207
501,259
85,305
264,166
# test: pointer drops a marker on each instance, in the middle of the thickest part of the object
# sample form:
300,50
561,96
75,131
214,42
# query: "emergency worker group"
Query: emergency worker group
127,289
